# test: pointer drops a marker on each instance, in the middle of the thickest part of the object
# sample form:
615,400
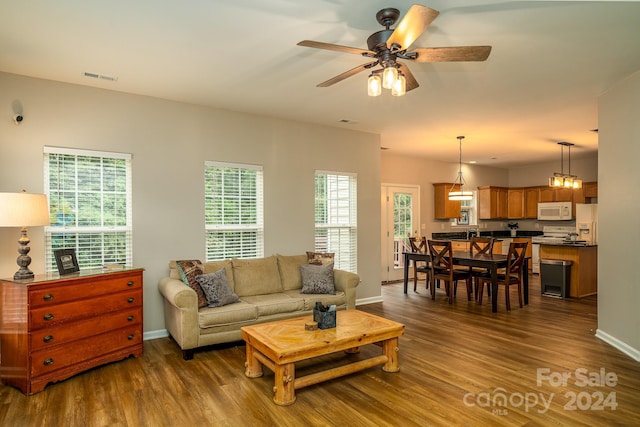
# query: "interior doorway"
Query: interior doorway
400,217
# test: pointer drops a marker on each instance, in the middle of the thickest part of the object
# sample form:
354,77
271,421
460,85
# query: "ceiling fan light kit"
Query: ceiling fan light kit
386,46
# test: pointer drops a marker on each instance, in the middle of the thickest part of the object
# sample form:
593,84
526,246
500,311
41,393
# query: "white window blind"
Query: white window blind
234,224
89,196
336,218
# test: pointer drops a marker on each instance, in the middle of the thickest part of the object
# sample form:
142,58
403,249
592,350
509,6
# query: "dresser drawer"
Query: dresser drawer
45,317
81,351
52,336
84,288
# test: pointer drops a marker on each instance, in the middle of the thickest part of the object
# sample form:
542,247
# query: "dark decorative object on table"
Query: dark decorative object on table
66,261
325,316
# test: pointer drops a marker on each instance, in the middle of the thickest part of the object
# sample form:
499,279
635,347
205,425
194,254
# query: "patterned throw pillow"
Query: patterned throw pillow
189,270
319,258
217,289
317,279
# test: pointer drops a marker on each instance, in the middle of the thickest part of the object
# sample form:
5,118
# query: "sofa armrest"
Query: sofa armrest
180,312
347,282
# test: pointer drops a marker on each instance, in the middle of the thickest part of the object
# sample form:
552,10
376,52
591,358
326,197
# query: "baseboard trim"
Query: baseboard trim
620,345
365,301
152,335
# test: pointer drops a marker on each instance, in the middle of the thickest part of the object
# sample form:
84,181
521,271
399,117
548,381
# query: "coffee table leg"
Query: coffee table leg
284,391
253,367
390,349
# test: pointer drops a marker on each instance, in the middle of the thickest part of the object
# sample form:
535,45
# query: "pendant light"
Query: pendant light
562,180
459,193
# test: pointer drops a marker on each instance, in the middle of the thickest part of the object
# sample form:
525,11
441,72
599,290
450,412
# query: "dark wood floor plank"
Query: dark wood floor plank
451,358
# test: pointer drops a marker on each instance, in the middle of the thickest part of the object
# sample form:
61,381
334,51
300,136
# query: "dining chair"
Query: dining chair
442,268
512,274
480,245
419,245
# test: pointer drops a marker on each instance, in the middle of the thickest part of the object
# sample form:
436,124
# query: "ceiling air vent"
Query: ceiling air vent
100,76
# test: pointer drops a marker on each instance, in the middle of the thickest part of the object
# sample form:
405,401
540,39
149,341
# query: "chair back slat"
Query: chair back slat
418,244
481,245
441,254
515,257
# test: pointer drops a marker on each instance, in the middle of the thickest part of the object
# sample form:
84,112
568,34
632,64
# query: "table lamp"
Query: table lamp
23,210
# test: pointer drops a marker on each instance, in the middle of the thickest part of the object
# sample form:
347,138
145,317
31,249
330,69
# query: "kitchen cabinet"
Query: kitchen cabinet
443,208
515,203
53,327
590,189
464,245
583,279
531,199
492,202
551,194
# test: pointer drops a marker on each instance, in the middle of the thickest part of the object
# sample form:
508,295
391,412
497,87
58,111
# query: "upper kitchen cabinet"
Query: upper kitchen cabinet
492,202
550,194
443,208
531,199
590,189
515,203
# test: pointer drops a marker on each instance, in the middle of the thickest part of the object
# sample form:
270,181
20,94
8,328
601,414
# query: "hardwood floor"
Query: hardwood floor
457,362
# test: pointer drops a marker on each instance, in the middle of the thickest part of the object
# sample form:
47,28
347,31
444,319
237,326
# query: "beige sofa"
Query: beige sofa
268,289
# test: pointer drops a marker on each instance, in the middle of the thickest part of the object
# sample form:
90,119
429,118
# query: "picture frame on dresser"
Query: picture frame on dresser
66,261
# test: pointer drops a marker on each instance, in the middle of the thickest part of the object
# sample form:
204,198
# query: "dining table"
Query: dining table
492,262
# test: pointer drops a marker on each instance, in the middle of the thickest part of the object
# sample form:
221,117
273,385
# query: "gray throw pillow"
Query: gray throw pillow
217,289
317,279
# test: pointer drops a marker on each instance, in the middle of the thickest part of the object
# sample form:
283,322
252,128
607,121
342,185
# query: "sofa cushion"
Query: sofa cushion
213,266
189,270
317,279
289,266
256,276
320,258
216,288
275,303
238,312
339,299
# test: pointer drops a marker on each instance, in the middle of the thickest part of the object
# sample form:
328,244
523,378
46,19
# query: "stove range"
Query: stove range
550,234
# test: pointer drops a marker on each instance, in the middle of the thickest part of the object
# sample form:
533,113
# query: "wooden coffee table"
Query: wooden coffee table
278,345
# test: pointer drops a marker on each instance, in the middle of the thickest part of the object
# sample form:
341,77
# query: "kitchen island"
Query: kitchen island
584,266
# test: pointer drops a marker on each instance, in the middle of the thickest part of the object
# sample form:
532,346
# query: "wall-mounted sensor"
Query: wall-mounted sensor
18,118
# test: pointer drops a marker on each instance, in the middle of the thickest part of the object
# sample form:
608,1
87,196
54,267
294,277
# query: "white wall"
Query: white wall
618,208
169,142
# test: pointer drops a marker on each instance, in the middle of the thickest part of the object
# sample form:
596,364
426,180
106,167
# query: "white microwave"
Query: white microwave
554,211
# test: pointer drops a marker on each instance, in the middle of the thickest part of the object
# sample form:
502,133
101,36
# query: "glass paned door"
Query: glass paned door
400,218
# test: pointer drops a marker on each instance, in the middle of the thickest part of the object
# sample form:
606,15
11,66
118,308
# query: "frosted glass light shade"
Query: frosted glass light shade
389,75
374,85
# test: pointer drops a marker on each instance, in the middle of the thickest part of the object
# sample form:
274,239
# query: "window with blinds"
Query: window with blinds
89,196
336,218
234,224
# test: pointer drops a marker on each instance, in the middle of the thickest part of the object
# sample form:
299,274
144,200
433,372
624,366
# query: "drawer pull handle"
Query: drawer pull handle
48,362
130,318
47,297
130,300
131,283
48,316
130,337
48,338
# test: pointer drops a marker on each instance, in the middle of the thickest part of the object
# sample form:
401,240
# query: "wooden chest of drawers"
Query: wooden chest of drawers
54,327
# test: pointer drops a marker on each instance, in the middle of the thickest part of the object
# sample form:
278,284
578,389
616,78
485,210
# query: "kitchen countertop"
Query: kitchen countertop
571,244
462,235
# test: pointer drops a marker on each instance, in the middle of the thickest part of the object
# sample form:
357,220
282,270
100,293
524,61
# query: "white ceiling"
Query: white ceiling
550,62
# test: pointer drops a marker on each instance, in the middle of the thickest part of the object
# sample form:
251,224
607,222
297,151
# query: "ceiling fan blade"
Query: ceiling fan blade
411,82
346,74
451,54
414,22
335,47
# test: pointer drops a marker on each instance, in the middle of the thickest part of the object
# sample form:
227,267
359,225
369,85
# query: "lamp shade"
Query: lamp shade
23,210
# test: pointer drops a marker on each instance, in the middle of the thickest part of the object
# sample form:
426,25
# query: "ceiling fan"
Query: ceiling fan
387,46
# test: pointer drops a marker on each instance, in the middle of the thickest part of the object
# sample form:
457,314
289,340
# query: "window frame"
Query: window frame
115,240
237,247
344,223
